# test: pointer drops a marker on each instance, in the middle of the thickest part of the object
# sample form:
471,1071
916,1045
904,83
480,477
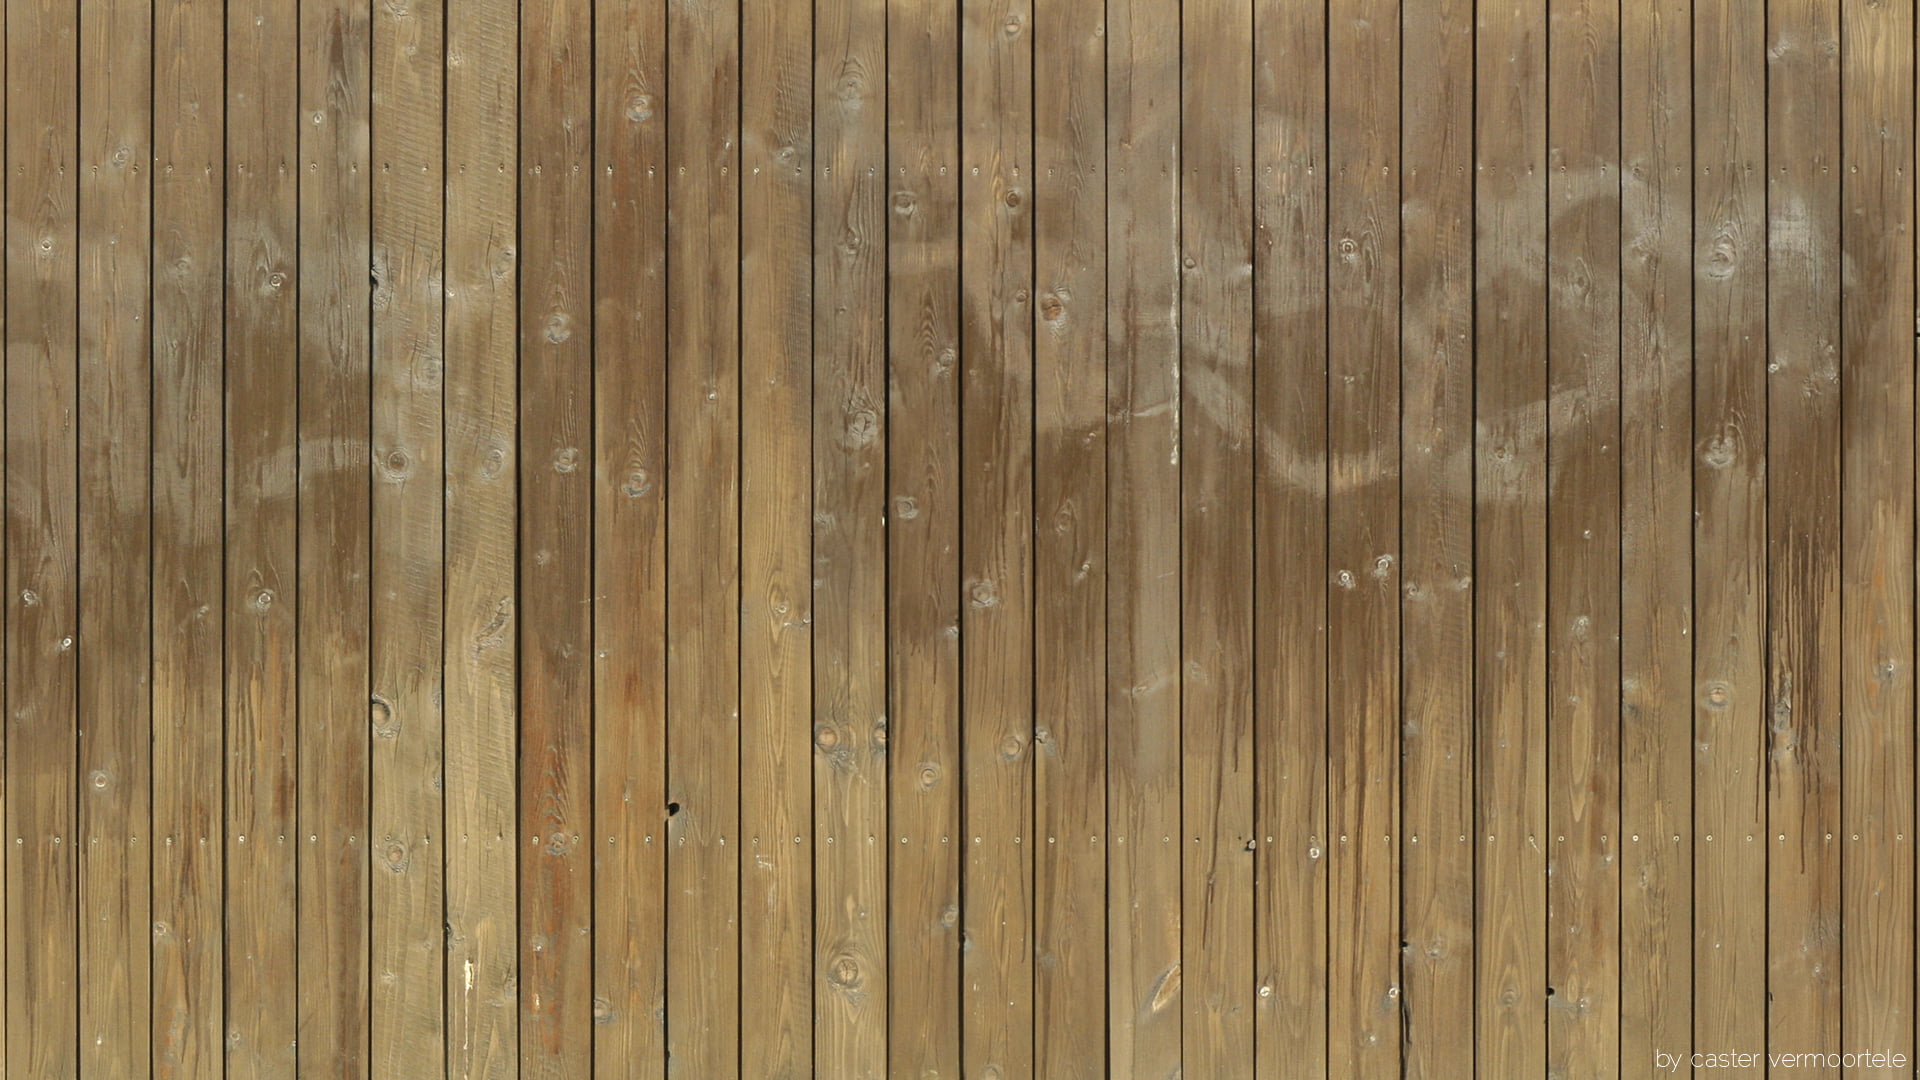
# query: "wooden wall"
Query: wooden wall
604,539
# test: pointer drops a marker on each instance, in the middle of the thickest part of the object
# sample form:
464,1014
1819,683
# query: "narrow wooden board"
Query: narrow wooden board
42,557
556,539
480,662
1144,917
1876,530
1437,587
703,540
1803,530
923,985
629,542
853,910
408,1018
1656,545
1583,539
332,648
776,452
1216,534
189,616
114,541
1730,491
1363,538
1070,549
996,535
1510,539
262,541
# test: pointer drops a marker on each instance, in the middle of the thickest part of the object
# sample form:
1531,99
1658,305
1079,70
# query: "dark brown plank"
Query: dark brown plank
776,408
114,542
924,946
853,911
996,537
1803,530
1144,1010
42,557
703,539
1656,549
262,588
1436,611
1510,538
629,541
480,661
1216,522
1876,530
1363,538
189,617
1730,491
556,539
1070,528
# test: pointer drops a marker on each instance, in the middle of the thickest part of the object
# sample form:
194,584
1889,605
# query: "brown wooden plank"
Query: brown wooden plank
114,542
1656,549
1436,612
923,540
629,542
262,452
42,497
1582,722
703,540
332,649
1876,530
1070,529
1730,477
1510,538
996,537
480,661
1803,530
1363,538
556,539
852,909
776,409
407,1023
1144,1010
189,614
1216,522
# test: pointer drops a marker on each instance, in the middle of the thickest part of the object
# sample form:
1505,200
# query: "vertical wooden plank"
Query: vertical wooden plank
776,356
1363,537
335,328
923,983
556,538
629,541
703,534
409,930
1876,529
1290,538
1583,539
1436,611
996,539
42,553
1730,530
481,638
1144,1010
1510,537
262,587
1216,518
1803,529
1656,550
1070,529
853,912
114,542
189,614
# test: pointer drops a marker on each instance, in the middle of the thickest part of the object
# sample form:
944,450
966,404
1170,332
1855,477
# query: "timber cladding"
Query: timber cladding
603,539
